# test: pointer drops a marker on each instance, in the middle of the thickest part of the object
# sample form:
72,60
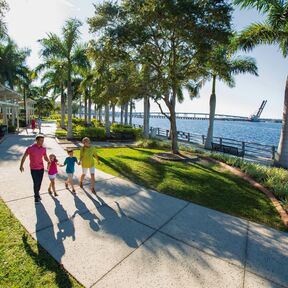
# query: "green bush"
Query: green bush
119,126
152,143
273,178
61,133
125,129
76,121
52,117
11,129
55,116
94,133
96,123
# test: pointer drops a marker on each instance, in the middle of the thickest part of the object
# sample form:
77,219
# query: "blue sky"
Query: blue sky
30,20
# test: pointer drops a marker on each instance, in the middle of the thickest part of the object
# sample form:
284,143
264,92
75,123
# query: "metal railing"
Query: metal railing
252,150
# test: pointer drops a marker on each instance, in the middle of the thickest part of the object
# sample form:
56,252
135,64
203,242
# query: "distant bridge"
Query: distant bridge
205,116
193,116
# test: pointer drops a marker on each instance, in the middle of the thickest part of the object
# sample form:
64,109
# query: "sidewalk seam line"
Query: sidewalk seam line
245,255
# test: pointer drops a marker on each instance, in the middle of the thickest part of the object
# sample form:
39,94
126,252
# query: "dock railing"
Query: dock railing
251,150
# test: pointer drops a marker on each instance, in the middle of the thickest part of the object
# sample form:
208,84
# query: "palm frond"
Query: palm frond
242,65
257,33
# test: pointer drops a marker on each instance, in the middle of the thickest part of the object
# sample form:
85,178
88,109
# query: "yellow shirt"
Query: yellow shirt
87,155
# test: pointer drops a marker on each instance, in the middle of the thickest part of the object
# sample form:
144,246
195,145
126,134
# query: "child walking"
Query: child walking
87,155
52,172
70,168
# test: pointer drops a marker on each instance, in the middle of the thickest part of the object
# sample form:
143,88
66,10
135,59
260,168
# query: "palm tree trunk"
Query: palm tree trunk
89,107
173,126
62,108
80,107
25,106
130,113
282,153
100,113
121,116
126,114
85,107
107,122
209,138
146,117
69,109
113,113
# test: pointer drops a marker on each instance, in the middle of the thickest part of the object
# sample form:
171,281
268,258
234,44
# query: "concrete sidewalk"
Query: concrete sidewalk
129,236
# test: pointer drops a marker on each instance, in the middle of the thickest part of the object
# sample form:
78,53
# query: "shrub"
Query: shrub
96,123
152,143
273,178
94,133
125,129
22,123
76,121
61,133
55,116
11,129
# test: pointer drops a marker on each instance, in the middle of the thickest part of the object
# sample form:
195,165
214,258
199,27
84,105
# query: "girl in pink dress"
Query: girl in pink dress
52,172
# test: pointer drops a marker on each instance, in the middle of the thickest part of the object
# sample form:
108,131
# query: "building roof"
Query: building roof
9,95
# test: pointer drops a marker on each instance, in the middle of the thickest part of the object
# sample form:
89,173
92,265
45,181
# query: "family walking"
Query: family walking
37,153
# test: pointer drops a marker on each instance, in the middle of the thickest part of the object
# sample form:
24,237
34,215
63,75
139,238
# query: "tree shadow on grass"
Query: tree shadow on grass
208,187
157,171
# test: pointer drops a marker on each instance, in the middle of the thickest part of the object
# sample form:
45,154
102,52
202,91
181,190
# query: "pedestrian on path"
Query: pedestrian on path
33,124
87,155
70,168
36,153
39,123
52,173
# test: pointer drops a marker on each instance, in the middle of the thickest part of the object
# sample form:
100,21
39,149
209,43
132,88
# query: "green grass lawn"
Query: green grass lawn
201,182
22,262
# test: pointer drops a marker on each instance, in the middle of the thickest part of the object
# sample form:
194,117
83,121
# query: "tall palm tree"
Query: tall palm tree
274,30
223,65
54,79
13,67
3,8
68,51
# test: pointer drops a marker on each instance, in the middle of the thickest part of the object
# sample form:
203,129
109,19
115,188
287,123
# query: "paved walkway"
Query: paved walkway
128,236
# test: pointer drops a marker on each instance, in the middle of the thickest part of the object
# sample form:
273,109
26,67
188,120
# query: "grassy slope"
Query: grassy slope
202,183
22,262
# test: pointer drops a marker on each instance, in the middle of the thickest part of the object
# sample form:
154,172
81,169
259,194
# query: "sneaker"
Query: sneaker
73,191
49,191
55,194
37,201
93,191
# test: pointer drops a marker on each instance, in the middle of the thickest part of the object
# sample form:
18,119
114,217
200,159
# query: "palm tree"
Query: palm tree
54,79
68,51
3,8
13,66
223,65
273,31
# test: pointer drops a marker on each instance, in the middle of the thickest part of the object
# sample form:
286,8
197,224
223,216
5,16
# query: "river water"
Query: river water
259,132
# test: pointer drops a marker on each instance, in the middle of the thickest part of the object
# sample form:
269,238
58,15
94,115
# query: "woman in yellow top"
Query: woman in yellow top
87,155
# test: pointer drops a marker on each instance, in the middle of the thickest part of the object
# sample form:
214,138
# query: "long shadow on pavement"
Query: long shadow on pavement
41,257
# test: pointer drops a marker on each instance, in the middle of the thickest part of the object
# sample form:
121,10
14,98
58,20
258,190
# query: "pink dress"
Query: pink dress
53,168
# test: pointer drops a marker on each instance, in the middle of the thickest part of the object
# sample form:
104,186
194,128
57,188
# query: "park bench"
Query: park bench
227,149
3,130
